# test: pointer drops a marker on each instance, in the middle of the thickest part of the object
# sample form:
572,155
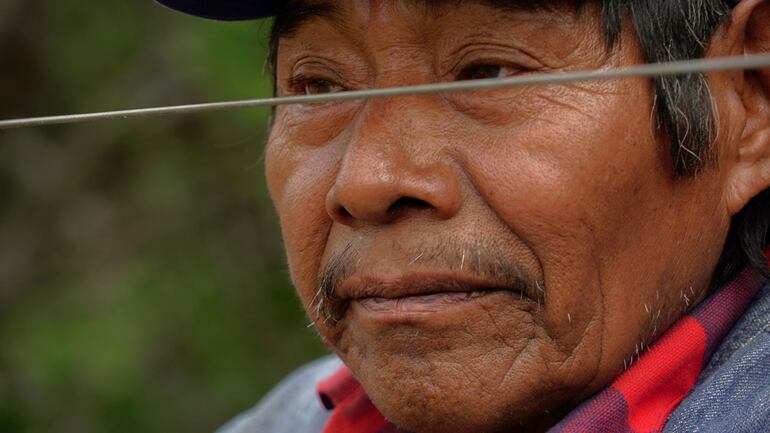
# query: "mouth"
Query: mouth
420,303
417,295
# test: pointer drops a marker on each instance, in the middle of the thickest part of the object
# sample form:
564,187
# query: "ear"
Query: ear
749,154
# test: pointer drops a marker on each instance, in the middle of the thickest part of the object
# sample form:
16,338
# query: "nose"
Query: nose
390,171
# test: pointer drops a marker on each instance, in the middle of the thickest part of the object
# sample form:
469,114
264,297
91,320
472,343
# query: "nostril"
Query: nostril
405,204
360,198
344,213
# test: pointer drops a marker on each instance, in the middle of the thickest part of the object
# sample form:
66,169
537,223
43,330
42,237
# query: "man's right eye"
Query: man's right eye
487,71
318,87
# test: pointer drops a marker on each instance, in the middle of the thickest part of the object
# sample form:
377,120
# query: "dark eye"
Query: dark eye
319,87
482,72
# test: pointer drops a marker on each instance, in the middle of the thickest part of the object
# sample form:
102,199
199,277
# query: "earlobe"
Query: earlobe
750,175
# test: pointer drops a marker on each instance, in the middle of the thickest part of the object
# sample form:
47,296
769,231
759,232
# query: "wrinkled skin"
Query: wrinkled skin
569,183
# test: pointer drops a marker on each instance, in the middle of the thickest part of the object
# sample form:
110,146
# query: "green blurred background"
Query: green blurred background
143,286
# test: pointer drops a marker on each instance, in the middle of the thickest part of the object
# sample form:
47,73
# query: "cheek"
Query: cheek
299,178
307,126
578,191
573,180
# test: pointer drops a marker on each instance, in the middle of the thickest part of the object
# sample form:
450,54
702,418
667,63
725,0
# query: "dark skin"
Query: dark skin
568,186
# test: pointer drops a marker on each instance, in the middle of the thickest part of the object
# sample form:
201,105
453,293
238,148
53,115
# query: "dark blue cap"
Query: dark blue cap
225,10
235,10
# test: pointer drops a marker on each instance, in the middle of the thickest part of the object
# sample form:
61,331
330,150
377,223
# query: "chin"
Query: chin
434,394
488,366
421,408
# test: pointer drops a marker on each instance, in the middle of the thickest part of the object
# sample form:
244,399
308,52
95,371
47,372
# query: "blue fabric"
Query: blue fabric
733,391
291,407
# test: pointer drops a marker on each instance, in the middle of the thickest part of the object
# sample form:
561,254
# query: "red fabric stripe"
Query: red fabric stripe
337,387
355,414
655,385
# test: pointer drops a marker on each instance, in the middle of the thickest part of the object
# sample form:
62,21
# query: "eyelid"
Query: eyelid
316,68
296,83
349,73
463,74
492,54
301,79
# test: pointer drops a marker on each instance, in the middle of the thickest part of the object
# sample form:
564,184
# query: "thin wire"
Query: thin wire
646,70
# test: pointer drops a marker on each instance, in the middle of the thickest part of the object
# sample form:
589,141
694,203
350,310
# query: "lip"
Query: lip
416,285
420,304
420,295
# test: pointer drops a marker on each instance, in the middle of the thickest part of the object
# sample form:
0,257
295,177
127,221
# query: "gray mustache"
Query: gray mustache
478,259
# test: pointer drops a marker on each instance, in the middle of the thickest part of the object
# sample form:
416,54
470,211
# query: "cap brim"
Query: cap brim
225,10
238,10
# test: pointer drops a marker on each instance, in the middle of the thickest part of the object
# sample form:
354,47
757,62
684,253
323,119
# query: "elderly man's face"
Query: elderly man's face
486,259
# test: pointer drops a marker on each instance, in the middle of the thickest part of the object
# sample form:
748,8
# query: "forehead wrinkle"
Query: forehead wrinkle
500,5
421,17
298,12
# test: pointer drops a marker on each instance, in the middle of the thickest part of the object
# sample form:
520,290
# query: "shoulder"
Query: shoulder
733,391
292,406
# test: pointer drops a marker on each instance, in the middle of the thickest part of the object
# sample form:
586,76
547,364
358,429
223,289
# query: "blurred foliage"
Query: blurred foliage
143,286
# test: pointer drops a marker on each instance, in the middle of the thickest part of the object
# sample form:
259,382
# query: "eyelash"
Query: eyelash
466,73
299,83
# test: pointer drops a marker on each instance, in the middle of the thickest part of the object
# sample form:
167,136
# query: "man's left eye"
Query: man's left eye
318,87
481,72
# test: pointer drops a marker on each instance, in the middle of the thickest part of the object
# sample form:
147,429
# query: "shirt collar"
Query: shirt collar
337,387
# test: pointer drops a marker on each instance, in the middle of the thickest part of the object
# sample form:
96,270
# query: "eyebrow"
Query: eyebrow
297,13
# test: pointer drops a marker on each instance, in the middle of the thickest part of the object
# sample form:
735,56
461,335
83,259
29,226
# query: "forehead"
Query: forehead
342,13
